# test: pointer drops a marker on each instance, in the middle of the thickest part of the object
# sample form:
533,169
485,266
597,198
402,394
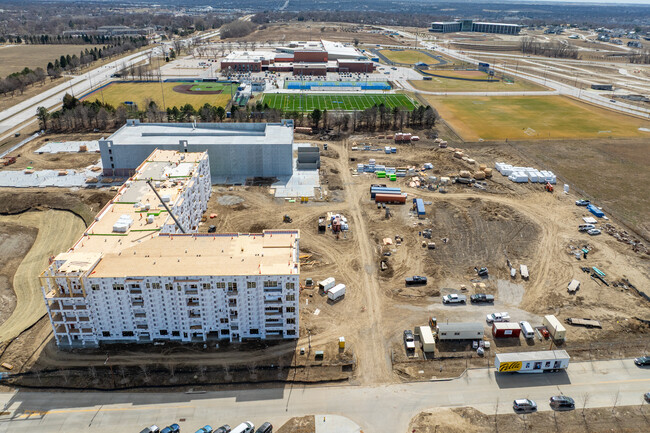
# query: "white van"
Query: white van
245,427
585,227
527,330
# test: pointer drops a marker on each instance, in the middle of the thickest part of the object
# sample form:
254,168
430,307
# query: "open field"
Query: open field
437,84
597,167
473,75
409,57
17,57
529,117
139,93
347,102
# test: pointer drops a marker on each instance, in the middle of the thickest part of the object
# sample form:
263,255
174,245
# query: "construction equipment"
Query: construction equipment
483,272
166,207
388,214
548,187
212,229
287,219
7,160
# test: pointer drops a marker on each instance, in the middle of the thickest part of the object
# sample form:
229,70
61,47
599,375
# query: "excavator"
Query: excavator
548,187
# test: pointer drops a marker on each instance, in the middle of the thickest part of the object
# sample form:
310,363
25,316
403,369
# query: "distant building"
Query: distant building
301,58
112,31
464,25
634,44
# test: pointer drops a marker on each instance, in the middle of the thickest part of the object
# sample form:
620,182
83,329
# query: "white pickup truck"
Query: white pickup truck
498,317
454,299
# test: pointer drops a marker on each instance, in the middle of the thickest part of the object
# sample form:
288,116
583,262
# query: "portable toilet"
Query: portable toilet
341,342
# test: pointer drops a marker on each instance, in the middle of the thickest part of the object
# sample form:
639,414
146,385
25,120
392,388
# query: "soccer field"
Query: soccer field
356,102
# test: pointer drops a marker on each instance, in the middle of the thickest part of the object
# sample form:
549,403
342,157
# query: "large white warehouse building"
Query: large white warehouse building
237,150
135,277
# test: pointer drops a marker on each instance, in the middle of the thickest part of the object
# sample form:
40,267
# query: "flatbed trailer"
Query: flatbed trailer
588,323
531,362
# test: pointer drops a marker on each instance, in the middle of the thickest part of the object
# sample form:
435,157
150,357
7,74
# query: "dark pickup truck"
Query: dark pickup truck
411,281
481,297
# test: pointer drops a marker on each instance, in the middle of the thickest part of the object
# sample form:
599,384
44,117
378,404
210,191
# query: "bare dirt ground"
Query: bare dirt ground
298,31
468,420
54,161
305,424
16,240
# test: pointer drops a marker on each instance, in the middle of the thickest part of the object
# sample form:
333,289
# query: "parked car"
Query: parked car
245,427
481,298
265,428
151,429
593,232
223,429
409,341
416,279
643,360
524,405
544,332
498,317
483,272
454,299
582,202
174,428
205,429
562,402
586,227
646,396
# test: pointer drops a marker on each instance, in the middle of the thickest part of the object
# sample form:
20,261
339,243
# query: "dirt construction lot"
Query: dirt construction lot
471,228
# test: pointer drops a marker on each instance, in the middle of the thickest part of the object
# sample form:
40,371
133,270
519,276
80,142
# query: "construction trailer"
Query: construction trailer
390,198
531,362
555,328
418,206
426,338
460,331
506,330
326,284
336,292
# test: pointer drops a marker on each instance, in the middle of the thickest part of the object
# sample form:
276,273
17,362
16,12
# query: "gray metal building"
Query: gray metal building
464,25
236,150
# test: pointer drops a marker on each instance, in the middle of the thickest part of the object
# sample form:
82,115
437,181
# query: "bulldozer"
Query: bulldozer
548,187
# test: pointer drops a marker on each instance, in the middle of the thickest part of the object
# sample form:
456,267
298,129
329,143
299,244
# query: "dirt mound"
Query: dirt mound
186,89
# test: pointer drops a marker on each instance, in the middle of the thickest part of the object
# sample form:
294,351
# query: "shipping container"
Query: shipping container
384,190
336,292
418,205
506,330
460,331
426,338
390,198
555,328
326,284
531,362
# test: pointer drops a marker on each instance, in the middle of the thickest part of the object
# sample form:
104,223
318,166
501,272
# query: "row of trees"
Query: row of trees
76,115
640,57
61,39
19,81
550,49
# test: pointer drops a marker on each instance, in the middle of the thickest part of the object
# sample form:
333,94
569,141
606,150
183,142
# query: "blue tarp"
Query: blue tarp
419,203
594,210
364,85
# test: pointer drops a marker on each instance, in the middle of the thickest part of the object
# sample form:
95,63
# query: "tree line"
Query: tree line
78,115
549,49
19,81
47,39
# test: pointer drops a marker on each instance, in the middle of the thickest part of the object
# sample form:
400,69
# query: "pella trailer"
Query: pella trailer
532,362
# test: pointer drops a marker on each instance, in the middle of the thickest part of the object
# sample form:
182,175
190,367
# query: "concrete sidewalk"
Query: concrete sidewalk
335,424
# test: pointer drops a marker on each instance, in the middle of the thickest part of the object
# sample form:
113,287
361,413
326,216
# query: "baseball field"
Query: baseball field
533,117
140,93
409,57
346,102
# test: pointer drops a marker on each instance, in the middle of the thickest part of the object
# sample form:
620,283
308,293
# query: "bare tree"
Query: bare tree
145,369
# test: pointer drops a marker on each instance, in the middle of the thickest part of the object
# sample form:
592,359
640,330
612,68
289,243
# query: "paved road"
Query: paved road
26,110
380,409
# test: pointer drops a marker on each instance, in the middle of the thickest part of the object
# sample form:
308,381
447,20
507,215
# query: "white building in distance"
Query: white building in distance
134,277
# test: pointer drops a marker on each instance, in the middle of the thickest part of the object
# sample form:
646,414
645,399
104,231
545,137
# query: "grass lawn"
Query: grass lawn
16,58
532,117
139,93
409,57
211,87
347,102
438,84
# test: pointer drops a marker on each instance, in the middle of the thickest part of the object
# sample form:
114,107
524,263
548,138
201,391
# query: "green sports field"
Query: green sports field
309,101
209,87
